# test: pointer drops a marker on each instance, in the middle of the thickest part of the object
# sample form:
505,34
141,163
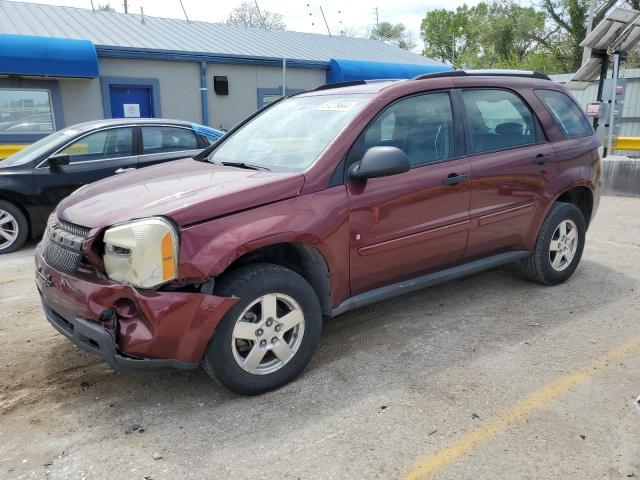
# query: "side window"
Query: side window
566,113
498,119
422,126
111,143
167,139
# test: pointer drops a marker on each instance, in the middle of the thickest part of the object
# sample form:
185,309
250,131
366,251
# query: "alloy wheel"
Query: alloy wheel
268,334
563,246
8,229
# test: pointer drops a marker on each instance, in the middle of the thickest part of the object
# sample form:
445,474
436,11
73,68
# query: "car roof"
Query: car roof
114,122
482,77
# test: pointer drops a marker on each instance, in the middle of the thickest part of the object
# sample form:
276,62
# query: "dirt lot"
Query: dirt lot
486,377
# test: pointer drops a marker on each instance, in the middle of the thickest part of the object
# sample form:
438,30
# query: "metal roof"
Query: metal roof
128,31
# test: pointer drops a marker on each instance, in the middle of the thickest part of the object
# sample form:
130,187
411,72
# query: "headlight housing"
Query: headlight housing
142,253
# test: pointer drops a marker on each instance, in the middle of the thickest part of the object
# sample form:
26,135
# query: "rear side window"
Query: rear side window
498,119
421,125
566,113
167,139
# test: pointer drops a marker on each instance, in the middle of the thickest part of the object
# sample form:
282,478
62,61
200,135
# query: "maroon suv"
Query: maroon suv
322,202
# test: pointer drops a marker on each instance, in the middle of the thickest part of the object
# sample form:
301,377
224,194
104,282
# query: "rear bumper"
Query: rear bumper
154,330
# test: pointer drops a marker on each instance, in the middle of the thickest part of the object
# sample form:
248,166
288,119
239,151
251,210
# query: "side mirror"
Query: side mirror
57,161
380,162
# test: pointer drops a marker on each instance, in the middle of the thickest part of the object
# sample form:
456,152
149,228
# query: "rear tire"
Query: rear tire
559,246
268,337
14,227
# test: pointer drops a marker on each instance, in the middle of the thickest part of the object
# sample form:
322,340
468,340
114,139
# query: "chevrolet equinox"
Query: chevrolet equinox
322,202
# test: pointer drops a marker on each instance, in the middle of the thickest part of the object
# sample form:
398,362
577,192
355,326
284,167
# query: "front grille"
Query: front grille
74,229
63,245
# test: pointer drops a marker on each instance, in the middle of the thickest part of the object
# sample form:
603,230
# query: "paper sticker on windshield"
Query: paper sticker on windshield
337,106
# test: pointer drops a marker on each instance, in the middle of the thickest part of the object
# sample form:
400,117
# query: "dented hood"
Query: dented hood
188,191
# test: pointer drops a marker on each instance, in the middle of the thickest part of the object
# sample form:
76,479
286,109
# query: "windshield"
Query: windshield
290,136
38,148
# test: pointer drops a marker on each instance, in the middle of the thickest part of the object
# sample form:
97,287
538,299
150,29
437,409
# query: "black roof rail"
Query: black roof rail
486,73
328,86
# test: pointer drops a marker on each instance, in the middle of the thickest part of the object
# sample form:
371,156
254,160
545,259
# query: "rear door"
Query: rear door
511,165
408,224
163,143
93,157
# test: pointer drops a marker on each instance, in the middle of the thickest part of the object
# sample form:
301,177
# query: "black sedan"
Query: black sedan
35,179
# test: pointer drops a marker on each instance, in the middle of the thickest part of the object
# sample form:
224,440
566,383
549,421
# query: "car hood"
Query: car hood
188,191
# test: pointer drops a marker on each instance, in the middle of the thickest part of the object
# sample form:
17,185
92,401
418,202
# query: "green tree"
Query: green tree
500,34
448,34
396,34
570,19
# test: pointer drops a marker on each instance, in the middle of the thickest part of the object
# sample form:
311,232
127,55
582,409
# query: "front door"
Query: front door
511,164
131,101
93,157
412,223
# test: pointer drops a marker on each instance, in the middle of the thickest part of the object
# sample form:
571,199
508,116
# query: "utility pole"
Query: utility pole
126,7
325,20
453,49
586,53
375,12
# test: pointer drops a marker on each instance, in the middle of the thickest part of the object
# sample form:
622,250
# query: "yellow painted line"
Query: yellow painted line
432,464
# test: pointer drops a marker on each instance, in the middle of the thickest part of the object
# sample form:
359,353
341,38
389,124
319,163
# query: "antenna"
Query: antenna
325,20
184,11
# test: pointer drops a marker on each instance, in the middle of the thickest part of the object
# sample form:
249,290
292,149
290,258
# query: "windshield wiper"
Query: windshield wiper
247,166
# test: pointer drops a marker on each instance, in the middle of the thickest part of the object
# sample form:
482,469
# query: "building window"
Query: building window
25,111
270,95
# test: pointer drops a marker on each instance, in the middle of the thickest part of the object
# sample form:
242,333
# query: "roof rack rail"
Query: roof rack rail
351,83
328,86
487,73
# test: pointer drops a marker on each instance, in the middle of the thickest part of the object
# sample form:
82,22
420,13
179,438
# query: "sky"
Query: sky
354,16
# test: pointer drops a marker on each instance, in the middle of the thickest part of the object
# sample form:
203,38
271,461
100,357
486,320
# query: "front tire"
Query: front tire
14,227
559,246
268,337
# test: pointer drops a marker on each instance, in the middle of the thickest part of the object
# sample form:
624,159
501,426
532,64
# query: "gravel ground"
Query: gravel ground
390,385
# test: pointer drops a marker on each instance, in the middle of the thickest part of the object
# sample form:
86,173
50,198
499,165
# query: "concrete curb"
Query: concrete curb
621,176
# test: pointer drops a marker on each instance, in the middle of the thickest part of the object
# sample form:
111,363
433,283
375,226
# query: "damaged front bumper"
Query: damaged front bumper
131,330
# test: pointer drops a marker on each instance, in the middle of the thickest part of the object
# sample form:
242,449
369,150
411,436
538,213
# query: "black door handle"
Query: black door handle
454,179
541,159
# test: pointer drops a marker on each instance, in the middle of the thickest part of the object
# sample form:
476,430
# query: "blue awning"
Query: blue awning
52,57
347,70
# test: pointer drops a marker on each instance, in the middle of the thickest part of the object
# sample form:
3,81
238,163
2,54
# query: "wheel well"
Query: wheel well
303,259
20,207
582,198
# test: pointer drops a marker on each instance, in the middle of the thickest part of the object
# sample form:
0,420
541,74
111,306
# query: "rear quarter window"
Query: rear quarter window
566,113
